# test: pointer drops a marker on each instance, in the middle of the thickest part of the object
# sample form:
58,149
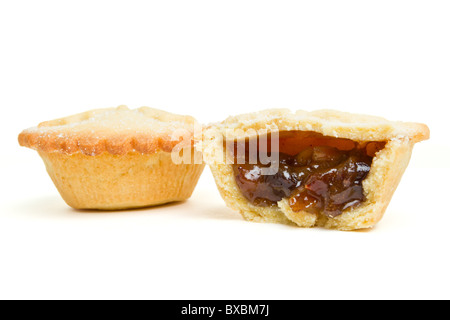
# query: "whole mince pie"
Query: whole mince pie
323,168
118,158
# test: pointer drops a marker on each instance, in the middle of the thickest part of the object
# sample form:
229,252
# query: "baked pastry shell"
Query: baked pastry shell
386,171
114,166
113,182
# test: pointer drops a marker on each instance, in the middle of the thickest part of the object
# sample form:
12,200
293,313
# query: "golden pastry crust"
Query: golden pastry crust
118,158
331,123
113,182
387,167
113,130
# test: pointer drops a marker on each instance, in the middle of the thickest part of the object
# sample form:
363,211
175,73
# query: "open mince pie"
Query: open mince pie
324,168
117,158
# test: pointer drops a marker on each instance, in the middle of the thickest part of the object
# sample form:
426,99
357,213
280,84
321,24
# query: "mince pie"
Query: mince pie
323,168
118,158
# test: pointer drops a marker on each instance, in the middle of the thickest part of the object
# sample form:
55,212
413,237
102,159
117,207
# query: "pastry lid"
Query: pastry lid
331,123
115,130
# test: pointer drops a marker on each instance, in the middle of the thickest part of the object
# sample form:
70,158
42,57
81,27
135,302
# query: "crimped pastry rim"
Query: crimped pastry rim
56,135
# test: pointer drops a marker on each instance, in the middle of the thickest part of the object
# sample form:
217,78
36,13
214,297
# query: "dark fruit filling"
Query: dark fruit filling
320,179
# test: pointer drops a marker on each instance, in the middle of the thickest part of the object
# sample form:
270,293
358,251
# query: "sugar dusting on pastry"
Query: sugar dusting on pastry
115,130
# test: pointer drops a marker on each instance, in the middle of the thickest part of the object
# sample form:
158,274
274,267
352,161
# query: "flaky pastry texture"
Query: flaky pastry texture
386,171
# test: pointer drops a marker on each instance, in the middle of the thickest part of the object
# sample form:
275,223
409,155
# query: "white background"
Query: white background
212,59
